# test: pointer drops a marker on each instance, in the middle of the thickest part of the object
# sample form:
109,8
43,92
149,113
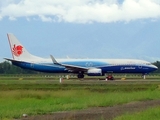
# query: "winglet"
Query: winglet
54,60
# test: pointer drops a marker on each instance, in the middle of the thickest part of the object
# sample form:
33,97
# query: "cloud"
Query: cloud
81,11
45,19
12,18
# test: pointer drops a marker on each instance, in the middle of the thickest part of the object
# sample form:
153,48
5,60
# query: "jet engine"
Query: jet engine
94,72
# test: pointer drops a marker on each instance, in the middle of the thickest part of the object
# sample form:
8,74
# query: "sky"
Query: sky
117,29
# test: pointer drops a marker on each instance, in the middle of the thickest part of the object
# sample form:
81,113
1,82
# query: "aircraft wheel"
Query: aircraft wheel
80,76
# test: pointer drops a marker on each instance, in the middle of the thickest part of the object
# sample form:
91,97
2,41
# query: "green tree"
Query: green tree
7,68
157,63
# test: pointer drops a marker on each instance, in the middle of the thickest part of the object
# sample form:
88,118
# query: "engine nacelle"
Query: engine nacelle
94,72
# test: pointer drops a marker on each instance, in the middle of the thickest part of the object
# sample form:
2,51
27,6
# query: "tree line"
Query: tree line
157,63
7,68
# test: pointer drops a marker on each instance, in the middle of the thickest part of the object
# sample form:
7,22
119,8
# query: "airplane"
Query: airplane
91,67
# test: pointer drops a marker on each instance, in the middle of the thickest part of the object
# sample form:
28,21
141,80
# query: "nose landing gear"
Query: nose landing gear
144,76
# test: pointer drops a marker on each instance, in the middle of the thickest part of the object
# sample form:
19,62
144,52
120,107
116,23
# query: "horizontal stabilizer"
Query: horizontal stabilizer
11,59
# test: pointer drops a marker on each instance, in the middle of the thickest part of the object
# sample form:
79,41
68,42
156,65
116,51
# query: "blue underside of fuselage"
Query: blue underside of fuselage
106,68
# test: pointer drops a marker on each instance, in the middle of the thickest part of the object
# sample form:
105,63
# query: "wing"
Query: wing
69,67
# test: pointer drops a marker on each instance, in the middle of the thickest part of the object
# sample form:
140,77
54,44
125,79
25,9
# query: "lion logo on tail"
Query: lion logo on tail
17,50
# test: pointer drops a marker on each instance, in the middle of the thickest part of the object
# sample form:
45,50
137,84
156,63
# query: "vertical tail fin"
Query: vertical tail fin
18,51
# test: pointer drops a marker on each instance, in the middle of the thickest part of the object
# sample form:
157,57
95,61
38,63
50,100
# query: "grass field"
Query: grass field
32,96
149,114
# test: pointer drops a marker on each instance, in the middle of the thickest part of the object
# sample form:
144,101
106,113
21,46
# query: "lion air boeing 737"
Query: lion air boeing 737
91,67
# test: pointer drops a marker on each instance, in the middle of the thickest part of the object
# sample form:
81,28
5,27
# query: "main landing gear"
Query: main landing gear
80,75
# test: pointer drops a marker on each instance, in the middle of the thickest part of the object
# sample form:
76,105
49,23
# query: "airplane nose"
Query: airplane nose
155,67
